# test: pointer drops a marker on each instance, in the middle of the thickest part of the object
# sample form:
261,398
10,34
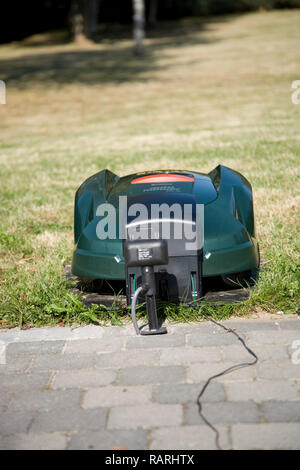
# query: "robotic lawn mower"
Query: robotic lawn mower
139,229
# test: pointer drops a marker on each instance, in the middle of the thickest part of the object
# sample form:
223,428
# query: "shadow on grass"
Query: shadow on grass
111,59
113,293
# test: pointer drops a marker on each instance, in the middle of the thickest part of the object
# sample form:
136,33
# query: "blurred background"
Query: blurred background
38,16
142,85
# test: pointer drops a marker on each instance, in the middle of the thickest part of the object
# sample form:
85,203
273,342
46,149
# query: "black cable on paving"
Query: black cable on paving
224,372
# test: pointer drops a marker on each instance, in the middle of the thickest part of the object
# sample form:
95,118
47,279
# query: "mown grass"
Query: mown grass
218,92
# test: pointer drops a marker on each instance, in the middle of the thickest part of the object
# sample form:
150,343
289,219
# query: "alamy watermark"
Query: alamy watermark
2,92
138,221
295,97
3,353
296,352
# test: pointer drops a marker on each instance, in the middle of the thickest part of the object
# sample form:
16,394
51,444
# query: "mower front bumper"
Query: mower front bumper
92,265
86,264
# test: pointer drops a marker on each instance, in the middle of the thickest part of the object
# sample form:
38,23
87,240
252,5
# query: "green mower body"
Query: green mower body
230,246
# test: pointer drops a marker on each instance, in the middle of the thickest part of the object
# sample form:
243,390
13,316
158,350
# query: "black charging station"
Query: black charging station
161,261
145,254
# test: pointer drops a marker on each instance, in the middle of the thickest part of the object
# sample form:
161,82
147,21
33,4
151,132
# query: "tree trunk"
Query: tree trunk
83,18
138,25
152,12
91,11
76,20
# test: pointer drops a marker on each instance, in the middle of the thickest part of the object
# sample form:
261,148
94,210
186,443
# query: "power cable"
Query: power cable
224,372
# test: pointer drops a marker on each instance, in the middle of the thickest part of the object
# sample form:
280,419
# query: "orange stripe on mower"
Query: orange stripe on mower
163,178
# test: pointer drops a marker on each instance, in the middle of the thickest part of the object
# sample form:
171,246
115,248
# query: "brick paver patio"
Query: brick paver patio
105,388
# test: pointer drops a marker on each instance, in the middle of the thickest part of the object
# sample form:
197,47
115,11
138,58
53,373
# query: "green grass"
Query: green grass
220,92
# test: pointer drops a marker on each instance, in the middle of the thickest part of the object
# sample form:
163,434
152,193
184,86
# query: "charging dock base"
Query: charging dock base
160,331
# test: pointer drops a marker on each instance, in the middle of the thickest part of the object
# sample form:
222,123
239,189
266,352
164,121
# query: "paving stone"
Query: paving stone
221,338
266,436
15,422
34,347
69,420
58,333
151,368
281,411
40,441
278,370
156,374
90,346
187,438
63,362
87,332
252,325
264,352
34,334
262,390
185,393
189,355
201,372
290,324
274,337
83,378
223,413
115,331
16,364
16,382
5,398
189,328
128,358
9,336
46,400
236,353
159,341
110,440
144,416
117,396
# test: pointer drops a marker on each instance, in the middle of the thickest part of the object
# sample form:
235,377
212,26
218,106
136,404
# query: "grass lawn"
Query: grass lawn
207,92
